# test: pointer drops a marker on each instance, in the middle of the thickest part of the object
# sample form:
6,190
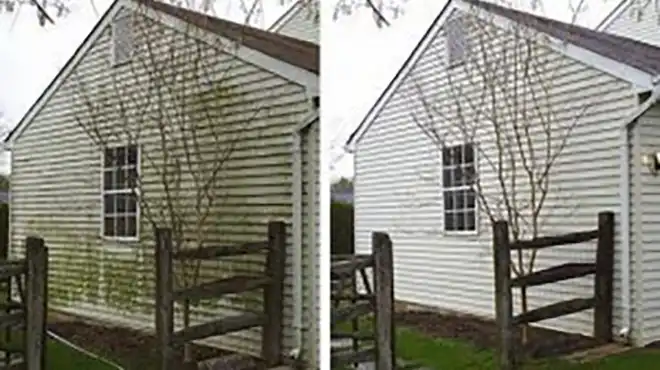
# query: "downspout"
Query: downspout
297,231
625,178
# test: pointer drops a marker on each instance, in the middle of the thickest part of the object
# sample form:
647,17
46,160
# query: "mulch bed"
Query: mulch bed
542,343
134,349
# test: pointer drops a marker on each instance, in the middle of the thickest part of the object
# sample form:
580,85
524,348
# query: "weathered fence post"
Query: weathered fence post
604,276
36,256
503,299
384,291
271,342
164,303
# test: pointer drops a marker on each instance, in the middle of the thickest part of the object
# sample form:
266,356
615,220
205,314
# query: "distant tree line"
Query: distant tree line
341,220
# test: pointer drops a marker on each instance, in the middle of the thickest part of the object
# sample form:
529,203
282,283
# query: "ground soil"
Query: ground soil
482,334
133,349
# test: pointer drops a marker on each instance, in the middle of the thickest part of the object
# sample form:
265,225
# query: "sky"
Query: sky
357,58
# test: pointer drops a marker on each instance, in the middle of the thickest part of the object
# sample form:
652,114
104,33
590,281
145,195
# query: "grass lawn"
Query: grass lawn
443,354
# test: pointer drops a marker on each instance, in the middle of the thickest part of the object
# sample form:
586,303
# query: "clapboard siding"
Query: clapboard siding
649,129
398,183
56,177
304,24
638,20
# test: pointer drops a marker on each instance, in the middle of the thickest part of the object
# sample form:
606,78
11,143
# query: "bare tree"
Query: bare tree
176,109
497,101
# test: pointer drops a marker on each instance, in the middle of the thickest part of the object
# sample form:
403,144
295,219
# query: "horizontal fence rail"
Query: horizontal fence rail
602,269
271,282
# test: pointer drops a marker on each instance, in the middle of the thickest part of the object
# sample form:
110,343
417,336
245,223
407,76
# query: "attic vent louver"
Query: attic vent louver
122,40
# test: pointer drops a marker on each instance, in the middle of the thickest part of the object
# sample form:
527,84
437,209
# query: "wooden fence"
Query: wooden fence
349,305
272,283
601,301
24,320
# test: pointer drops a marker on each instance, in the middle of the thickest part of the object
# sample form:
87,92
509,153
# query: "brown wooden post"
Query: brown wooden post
381,246
36,256
604,277
271,341
164,304
503,299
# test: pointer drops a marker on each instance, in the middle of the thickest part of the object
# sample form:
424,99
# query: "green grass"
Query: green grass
454,354
443,354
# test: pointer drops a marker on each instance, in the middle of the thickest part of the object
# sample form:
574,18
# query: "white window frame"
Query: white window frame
116,23
135,191
455,28
462,187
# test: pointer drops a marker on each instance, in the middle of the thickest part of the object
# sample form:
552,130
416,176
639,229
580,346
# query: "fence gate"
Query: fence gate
272,283
601,300
24,320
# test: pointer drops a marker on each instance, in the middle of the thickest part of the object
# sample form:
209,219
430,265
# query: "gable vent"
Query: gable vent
122,40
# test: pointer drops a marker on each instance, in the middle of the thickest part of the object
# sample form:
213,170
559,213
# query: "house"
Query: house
638,20
600,90
301,21
176,96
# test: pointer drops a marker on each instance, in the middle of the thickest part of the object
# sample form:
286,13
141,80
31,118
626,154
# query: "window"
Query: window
455,42
122,40
120,208
458,175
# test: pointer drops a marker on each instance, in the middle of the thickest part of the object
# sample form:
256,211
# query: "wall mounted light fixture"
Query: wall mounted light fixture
652,162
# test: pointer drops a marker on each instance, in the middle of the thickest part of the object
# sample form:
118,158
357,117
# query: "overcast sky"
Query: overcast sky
358,59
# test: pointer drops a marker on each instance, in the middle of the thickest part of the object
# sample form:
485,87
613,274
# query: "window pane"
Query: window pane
446,178
121,203
108,156
449,200
109,226
132,154
459,220
121,226
121,156
458,176
131,226
469,174
460,199
470,220
446,153
107,180
471,199
131,177
120,178
131,204
449,221
456,155
469,153
109,203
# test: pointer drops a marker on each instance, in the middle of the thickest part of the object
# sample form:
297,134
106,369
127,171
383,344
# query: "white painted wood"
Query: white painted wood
397,186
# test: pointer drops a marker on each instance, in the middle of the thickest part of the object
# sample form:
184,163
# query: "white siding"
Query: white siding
649,226
56,179
642,25
304,24
398,185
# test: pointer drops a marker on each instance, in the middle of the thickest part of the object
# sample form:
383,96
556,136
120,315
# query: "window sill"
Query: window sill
458,233
120,240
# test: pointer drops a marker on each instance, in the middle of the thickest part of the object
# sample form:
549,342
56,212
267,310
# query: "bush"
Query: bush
341,228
